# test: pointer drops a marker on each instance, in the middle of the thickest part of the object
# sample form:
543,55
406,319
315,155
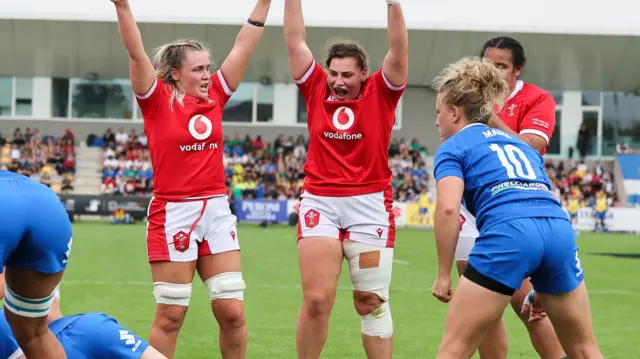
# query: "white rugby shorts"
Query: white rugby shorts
366,218
468,234
185,231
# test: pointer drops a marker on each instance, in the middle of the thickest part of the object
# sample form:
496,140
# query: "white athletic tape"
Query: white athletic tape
228,285
172,294
27,307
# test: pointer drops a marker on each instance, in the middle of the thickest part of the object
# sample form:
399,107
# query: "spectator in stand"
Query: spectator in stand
42,158
258,144
69,137
109,138
583,143
582,183
121,137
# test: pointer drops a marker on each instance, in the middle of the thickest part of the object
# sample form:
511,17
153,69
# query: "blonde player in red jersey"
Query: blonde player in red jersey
190,225
529,113
346,206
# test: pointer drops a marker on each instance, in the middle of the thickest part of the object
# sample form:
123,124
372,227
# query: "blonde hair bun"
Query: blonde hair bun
473,84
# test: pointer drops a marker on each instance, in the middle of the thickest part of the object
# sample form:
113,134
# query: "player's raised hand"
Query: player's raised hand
532,305
442,289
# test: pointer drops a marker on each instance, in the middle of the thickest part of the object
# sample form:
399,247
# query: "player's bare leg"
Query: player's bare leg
543,337
570,314
32,334
495,344
320,260
222,274
169,318
472,311
151,353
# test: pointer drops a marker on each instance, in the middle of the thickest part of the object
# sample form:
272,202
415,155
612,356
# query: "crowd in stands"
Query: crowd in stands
126,163
581,182
47,159
255,169
623,148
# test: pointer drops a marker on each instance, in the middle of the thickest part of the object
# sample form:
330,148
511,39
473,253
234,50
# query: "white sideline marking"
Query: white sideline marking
404,263
298,286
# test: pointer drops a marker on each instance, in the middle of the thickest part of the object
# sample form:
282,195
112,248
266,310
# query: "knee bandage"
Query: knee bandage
26,307
172,294
373,275
378,323
228,285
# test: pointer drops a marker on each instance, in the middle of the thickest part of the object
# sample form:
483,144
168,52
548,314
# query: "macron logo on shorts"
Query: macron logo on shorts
129,339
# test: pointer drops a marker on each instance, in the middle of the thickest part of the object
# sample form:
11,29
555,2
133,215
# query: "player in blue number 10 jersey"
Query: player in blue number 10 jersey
523,230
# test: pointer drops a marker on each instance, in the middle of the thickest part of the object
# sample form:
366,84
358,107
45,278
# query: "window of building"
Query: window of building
110,99
265,103
24,96
59,97
591,98
302,109
6,95
239,108
554,144
621,121
590,119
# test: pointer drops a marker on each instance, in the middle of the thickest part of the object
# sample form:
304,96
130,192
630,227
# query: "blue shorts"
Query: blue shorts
601,215
573,215
35,231
423,210
541,248
96,335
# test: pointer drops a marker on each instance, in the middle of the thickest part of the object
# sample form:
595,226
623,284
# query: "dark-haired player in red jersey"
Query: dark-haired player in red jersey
190,224
346,205
529,114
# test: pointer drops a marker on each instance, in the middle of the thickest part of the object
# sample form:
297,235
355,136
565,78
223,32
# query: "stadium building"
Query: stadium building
63,65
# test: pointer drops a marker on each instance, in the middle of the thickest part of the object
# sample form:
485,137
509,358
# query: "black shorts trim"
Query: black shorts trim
482,280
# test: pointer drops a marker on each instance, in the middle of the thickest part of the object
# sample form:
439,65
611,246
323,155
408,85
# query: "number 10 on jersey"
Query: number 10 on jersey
514,161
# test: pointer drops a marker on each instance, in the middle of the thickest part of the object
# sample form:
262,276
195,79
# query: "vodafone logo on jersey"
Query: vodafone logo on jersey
343,119
200,128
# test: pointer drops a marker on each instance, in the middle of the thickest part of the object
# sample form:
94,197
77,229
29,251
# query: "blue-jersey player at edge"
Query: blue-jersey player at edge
82,336
523,230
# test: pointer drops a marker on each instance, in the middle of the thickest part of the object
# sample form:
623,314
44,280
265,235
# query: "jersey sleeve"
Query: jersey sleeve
390,92
150,101
447,161
540,119
220,87
310,81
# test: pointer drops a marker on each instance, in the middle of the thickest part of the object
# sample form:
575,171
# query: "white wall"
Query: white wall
613,17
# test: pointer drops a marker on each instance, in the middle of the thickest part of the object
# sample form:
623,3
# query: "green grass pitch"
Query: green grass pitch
108,272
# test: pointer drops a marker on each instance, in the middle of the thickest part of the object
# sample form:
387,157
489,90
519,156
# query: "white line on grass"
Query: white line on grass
404,263
298,287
